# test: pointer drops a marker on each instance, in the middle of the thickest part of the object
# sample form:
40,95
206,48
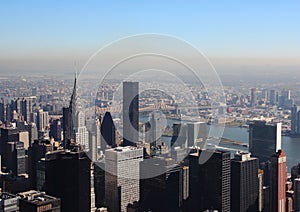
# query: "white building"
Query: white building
122,173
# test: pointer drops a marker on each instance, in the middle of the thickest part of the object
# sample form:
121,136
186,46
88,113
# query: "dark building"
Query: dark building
130,113
99,183
210,181
68,129
2,112
108,132
16,157
264,139
67,176
36,152
278,181
253,97
55,130
7,135
244,183
35,201
162,185
295,172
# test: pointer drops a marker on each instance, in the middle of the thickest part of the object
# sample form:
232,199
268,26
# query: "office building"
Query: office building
210,181
95,139
156,130
272,97
196,133
36,152
244,183
179,137
55,130
67,176
278,181
130,113
38,201
16,158
122,177
99,183
253,97
264,139
42,120
108,132
9,202
297,194
164,184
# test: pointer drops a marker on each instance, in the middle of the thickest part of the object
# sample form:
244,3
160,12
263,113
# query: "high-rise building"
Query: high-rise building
253,97
264,139
244,183
162,185
68,129
122,177
196,133
294,119
297,195
130,113
210,182
38,201
95,139
42,120
99,183
272,97
278,181
2,112
67,176
295,171
16,161
36,152
156,130
108,132
179,137
55,130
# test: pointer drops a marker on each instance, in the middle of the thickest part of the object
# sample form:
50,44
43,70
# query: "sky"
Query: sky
50,35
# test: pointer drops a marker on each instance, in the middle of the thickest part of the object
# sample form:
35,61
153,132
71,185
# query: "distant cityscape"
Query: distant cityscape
66,148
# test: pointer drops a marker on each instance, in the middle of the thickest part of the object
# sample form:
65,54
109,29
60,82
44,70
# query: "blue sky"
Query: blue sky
72,30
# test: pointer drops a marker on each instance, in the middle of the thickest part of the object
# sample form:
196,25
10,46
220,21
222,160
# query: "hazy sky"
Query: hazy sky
50,35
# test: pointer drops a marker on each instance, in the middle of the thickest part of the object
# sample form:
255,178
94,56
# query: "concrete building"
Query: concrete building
122,177
9,202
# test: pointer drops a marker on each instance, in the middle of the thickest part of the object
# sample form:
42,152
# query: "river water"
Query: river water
291,146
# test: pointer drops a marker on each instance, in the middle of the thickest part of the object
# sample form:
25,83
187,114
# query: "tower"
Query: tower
122,177
264,139
244,183
210,182
108,132
67,176
253,97
130,113
278,181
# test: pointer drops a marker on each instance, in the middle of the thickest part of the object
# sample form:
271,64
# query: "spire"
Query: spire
73,101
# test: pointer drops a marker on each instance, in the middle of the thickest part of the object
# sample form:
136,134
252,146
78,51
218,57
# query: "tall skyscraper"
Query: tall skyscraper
278,181
210,182
297,195
272,97
156,130
55,130
108,132
179,137
196,133
253,97
130,113
264,139
164,191
122,177
74,126
95,139
244,183
16,158
67,176
294,119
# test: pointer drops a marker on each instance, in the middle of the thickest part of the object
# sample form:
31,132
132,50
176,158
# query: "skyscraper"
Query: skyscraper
244,183
264,139
297,195
272,97
196,133
130,113
163,190
67,176
278,181
156,130
55,130
108,132
294,119
210,182
253,97
16,158
122,177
